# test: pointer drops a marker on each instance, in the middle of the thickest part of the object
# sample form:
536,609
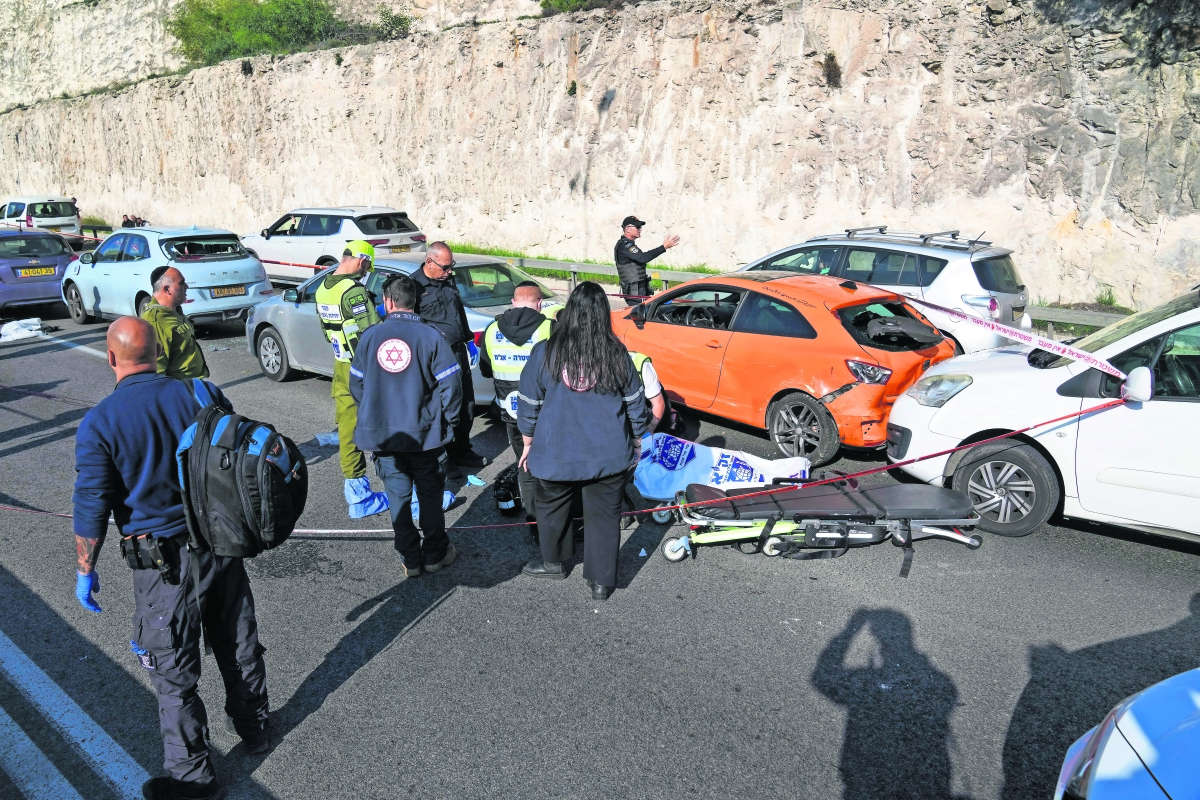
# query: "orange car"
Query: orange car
815,360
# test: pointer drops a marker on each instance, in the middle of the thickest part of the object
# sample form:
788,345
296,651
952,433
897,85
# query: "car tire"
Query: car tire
75,306
820,442
325,261
272,356
1012,486
142,302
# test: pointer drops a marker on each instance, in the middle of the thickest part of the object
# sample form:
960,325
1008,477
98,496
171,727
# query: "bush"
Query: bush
833,72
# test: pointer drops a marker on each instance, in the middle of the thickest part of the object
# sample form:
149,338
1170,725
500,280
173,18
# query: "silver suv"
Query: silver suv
968,275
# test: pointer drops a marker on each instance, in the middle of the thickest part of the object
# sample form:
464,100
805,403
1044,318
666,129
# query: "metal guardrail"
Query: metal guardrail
1073,317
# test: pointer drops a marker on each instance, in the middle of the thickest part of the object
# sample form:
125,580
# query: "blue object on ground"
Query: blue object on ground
642,554
475,480
415,506
362,501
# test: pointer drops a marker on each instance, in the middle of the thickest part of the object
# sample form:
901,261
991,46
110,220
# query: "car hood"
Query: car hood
1163,726
1001,363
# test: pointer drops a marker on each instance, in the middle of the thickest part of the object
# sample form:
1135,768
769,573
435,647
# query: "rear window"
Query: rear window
208,248
66,209
385,224
888,326
998,275
32,246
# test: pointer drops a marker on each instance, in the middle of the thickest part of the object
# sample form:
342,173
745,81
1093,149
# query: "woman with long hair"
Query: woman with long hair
582,412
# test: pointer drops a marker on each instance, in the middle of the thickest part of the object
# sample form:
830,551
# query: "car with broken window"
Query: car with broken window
224,281
816,361
967,276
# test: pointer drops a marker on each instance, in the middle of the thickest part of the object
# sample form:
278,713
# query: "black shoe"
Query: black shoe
544,569
599,592
171,789
257,743
468,458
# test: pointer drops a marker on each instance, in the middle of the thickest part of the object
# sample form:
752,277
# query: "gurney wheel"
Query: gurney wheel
747,546
772,547
663,517
673,549
975,543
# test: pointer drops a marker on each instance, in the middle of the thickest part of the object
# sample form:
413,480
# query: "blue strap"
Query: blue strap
203,396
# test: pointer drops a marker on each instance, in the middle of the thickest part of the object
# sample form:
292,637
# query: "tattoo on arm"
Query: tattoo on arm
88,551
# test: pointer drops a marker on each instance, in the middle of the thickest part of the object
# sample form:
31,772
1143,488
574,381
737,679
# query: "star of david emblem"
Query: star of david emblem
394,355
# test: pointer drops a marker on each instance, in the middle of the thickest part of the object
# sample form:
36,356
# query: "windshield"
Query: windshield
208,248
483,285
385,224
1102,338
32,246
64,209
998,275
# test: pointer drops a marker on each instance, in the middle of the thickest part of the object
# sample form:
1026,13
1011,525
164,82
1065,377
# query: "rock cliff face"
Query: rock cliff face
1071,138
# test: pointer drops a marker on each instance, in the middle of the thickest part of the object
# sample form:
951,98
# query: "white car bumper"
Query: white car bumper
910,436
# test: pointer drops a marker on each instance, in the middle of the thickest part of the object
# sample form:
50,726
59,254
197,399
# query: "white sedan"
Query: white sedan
1136,465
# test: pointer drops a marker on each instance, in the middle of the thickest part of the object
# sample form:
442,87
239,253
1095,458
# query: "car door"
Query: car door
306,342
686,334
131,275
104,297
280,246
313,242
1140,461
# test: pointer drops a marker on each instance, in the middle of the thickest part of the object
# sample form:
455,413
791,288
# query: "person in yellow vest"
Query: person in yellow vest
346,309
507,342
632,500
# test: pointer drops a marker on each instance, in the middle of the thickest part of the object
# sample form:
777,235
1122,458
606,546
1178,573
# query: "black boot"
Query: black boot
544,569
599,592
171,789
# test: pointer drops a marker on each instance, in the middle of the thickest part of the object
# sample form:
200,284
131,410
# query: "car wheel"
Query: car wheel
800,426
1012,486
75,306
142,302
272,356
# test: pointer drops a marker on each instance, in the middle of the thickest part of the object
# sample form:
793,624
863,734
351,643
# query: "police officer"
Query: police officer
346,310
506,345
631,260
407,383
439,304
180,355
129,471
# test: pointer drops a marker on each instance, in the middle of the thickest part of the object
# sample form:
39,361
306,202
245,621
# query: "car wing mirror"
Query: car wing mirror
266,234
1139,385
86,258
291,296
638,315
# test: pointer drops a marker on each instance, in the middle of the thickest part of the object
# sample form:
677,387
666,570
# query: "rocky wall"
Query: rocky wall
1071,139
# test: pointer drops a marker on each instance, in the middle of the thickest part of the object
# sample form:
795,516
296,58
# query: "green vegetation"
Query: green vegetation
211,31
1105,297
552,7
90,220
562,274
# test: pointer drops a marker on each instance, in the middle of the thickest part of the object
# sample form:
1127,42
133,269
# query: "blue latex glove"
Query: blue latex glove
84,586
472,353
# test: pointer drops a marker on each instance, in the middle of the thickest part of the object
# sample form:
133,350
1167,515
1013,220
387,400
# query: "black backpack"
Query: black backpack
244,484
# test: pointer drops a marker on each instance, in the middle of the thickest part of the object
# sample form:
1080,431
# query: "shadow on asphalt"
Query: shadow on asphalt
1069,692
898,706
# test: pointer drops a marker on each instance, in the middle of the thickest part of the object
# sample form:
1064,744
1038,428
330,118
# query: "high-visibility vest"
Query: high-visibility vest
550,309
639,361
340,332
508,359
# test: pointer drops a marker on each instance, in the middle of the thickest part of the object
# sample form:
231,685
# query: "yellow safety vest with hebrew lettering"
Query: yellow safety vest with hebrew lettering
342,333
508,359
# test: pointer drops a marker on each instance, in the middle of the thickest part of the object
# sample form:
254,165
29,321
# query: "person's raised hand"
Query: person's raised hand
670,241
84,586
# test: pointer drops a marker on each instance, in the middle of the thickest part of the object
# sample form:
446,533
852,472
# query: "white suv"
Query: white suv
319,235
47,212
969,276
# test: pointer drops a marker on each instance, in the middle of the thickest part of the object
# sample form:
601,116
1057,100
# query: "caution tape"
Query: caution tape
47,230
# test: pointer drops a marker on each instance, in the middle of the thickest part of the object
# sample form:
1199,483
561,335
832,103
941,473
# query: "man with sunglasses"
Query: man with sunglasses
631,261
440,305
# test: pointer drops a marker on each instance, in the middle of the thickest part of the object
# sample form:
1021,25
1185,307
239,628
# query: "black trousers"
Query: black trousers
166,626
462,431
524,479
601,523
640,288
427,471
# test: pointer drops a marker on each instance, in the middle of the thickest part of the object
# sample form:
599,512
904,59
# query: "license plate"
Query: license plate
401,248
228,291
34,272
54,229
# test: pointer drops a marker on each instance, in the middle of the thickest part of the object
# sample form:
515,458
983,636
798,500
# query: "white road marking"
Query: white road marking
75,346
107,757
26,766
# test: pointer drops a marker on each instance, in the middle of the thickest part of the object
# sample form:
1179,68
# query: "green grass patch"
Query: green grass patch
565,275
90,220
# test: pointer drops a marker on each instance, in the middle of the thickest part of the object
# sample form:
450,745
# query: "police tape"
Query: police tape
51,230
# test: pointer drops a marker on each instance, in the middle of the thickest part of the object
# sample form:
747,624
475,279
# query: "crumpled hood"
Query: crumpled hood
1163,727
519,324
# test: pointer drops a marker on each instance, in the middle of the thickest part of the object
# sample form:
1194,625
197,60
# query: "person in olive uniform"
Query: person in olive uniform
179,354
631,260
440,305
346,309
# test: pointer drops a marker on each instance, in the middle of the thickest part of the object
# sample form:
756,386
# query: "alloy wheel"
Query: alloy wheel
269,355
797,428
1002,491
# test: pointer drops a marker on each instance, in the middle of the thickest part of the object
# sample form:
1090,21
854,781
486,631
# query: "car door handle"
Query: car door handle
715,344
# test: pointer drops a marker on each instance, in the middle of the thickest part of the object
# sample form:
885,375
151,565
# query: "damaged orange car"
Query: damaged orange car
815,360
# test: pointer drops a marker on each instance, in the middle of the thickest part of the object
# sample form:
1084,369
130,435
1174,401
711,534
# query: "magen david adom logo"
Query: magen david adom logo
394,355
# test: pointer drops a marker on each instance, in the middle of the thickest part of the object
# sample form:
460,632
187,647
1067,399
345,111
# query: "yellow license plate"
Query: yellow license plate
229,291
34,272
402,248
54,229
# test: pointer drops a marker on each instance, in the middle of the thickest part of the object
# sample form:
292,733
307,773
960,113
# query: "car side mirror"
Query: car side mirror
1139,385
86,258
266,234
291,296
638,315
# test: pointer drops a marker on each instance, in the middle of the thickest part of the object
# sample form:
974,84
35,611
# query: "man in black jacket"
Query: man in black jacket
406,382
631,260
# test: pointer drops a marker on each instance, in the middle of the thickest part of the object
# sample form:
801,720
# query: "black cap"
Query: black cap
156,274
634,221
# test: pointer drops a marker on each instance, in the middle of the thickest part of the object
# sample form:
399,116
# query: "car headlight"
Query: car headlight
869,373
936,390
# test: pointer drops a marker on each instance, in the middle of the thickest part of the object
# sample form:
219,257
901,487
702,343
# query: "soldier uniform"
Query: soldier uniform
181,356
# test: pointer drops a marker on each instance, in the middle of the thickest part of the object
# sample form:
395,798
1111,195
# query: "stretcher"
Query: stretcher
824,521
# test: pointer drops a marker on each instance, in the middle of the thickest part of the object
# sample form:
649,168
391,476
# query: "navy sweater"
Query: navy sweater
578,436
125,457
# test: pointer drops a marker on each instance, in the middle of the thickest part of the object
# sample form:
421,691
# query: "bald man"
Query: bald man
125,460
180,355
507,343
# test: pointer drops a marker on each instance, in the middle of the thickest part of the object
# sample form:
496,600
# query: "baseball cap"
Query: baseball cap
362,249
631,220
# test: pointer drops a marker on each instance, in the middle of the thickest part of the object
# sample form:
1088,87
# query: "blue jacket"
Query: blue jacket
125,457
407,386
580,436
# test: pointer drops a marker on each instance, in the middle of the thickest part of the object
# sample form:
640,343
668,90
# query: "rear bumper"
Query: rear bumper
29,294
203,310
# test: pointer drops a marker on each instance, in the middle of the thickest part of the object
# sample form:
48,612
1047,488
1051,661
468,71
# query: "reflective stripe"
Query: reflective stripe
633,396
529,400
446,373
341,333
355,372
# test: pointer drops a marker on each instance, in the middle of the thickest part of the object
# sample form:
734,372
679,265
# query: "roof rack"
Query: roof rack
881,232
851,231
925,237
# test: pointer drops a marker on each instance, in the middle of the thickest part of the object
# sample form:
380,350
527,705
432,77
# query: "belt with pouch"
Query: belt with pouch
143,551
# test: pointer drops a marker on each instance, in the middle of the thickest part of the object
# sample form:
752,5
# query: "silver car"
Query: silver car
285,335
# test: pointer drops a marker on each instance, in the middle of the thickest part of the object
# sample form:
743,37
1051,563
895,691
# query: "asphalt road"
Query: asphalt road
724,676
